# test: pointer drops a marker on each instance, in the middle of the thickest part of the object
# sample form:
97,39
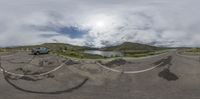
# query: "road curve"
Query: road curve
129,72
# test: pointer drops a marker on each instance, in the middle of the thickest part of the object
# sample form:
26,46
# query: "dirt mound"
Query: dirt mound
71,62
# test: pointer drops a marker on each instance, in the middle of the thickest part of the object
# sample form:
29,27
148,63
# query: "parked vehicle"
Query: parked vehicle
40,50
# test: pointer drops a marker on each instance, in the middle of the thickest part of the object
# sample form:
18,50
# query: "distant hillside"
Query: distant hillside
53,46
131,46
127,46
63,46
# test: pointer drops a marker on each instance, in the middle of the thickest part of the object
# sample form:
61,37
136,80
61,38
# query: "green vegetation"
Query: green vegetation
129,50
76,54
70,50
142,53
61,49
127,46
51,46
193,50
135,49
2,50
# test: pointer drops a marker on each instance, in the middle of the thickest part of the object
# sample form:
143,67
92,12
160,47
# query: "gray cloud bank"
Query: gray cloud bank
100,22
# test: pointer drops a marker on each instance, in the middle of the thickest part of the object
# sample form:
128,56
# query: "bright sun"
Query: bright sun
100,24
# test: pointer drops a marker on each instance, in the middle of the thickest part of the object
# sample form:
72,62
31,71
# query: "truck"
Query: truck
40,50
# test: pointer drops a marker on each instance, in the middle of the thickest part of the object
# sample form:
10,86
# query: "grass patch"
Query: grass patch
193,50
77,54
2,50
141,53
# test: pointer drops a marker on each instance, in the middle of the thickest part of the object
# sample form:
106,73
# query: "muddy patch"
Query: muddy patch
168,75
29,77
115,63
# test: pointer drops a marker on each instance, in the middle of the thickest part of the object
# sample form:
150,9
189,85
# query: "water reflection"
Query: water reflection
105,53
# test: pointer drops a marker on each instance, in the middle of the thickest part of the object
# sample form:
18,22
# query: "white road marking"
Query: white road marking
129,72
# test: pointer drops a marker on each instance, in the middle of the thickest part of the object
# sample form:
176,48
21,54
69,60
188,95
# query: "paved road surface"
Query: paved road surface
177,77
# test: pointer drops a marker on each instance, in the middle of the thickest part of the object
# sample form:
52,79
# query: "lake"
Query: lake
104,53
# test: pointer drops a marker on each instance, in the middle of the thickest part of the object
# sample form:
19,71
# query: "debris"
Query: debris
116,62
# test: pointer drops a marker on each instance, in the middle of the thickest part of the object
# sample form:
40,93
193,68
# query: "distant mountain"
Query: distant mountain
63,45
131,46
126,46
54,46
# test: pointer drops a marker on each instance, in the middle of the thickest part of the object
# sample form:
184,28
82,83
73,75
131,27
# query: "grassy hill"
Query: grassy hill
52,46
60,49
130,46
135,49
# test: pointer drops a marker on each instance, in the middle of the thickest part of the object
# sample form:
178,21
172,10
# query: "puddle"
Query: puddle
168,75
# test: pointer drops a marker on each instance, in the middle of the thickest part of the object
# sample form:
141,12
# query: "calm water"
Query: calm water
104,53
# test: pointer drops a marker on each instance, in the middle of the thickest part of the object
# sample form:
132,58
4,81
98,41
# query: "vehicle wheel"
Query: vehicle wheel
37,53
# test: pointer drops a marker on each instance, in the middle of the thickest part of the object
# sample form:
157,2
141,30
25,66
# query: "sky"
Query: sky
99,23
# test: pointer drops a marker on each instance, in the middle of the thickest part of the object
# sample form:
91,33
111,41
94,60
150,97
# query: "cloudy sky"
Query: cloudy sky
100,23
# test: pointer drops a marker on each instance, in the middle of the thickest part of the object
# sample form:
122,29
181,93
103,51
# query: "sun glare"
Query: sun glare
100,23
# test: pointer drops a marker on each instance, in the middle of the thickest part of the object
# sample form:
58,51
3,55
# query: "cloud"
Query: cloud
100,23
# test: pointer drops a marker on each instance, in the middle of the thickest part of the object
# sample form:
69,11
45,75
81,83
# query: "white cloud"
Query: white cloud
109,22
